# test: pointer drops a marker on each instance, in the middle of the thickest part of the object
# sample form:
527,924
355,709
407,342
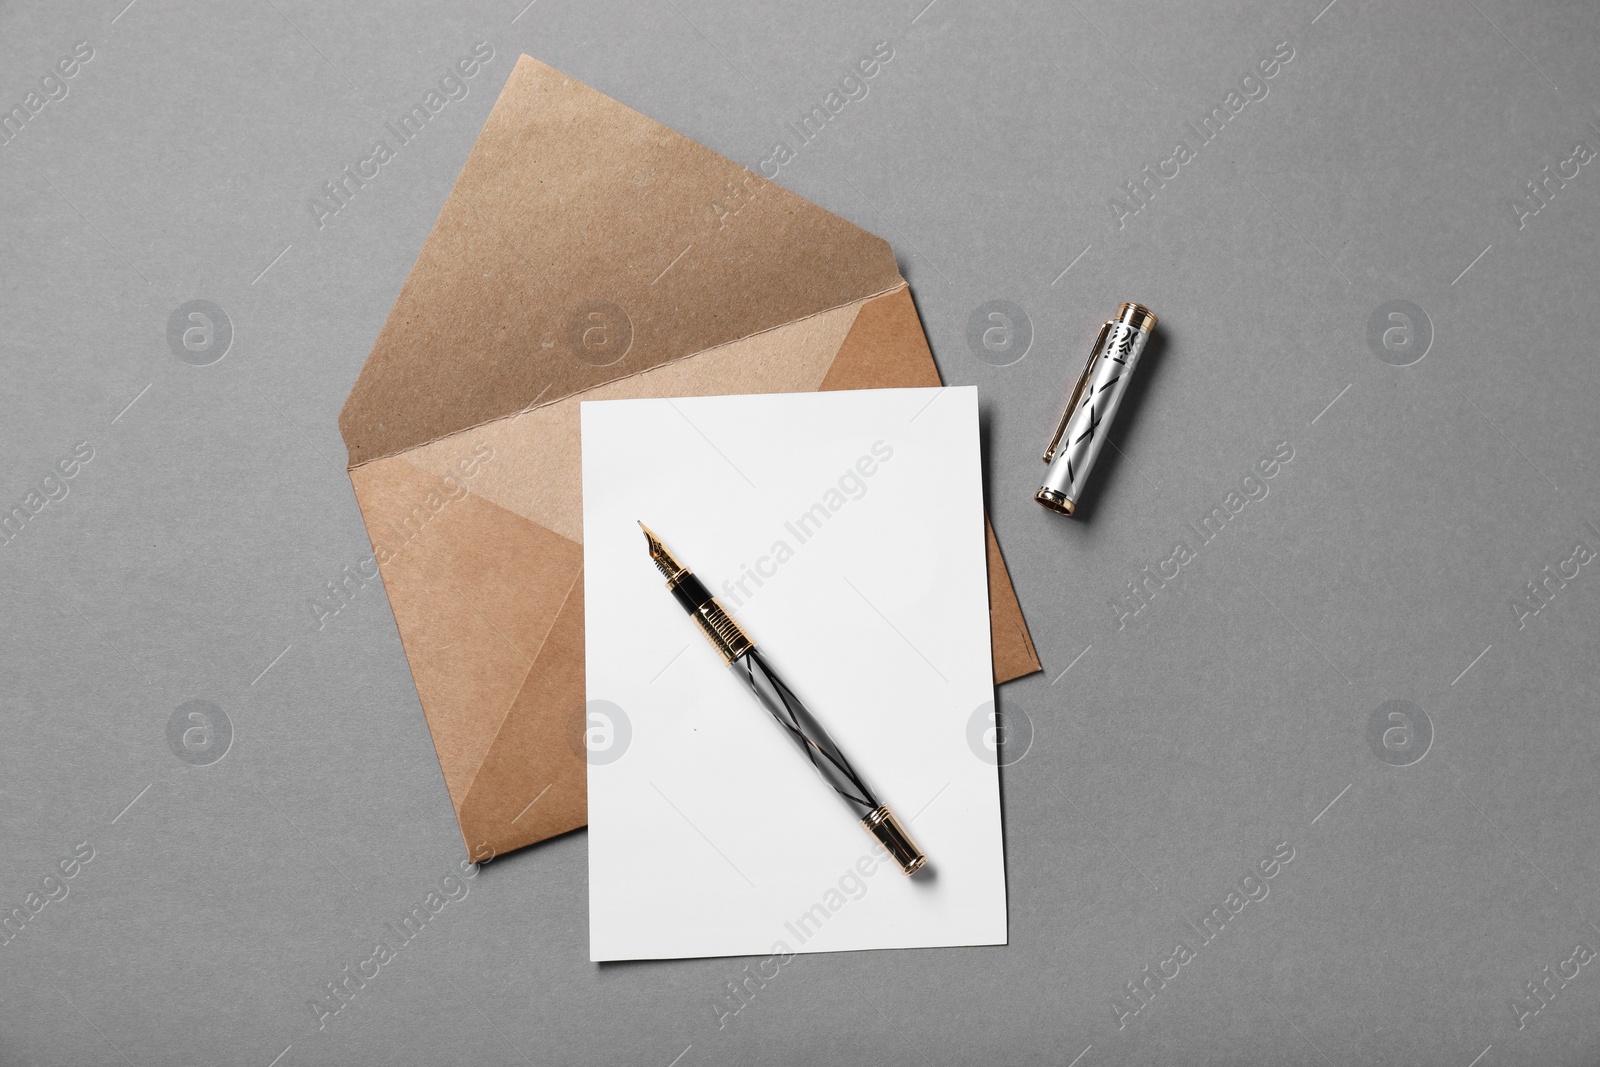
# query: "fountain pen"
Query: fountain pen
747,662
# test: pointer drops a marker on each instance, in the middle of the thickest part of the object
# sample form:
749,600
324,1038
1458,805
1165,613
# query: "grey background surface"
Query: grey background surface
1168,756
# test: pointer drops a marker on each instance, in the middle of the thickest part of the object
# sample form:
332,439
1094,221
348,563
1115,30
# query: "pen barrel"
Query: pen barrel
805,731
829,760
1096,400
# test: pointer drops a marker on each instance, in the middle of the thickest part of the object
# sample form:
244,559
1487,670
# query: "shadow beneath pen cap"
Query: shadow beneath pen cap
1112,469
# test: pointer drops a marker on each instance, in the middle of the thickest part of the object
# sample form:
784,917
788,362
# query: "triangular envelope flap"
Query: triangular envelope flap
532,784
584,242
472,613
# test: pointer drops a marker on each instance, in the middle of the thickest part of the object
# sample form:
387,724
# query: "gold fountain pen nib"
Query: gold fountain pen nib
719,628
659,555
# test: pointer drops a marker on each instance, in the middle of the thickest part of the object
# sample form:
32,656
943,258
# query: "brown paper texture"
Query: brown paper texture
585,253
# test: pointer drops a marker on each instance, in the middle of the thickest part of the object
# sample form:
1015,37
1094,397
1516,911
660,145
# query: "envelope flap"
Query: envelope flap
582,243
476,591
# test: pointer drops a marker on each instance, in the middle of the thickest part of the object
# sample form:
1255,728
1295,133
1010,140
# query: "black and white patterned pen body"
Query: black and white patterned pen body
786,708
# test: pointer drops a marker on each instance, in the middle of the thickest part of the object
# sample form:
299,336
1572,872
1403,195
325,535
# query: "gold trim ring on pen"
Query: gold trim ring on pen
1137,316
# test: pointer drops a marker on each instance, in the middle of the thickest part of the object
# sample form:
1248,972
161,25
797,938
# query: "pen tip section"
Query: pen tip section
651,540
659,554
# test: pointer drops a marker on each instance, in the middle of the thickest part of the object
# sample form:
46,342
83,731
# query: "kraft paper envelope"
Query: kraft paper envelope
585,253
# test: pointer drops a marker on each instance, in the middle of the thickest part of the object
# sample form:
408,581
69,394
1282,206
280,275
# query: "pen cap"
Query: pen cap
1093,403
